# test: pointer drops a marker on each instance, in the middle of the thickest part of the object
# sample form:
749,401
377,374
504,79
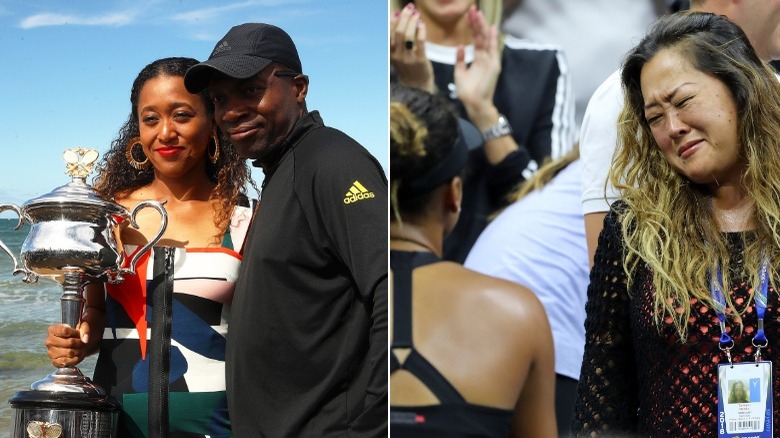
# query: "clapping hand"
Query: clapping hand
476,83
407,49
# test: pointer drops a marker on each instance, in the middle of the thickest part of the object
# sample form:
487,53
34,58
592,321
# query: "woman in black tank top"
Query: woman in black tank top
471,355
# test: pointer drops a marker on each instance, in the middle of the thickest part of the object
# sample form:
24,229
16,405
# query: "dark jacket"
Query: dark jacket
307,348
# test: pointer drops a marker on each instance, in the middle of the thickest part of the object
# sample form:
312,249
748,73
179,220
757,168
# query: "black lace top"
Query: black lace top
639,379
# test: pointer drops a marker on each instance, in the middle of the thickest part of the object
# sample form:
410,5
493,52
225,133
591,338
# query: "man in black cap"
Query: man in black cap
307,349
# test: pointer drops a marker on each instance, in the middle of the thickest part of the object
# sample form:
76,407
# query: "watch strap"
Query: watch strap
500,129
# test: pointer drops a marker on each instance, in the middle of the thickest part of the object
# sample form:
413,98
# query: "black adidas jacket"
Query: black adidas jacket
307,344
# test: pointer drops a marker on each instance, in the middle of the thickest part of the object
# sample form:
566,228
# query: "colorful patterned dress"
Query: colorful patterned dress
204,279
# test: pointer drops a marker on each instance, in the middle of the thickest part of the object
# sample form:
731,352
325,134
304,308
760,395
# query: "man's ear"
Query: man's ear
302,87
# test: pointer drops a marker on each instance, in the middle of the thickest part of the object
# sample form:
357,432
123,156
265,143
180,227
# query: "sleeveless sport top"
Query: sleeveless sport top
454,416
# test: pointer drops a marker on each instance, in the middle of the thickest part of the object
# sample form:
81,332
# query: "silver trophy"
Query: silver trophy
74,239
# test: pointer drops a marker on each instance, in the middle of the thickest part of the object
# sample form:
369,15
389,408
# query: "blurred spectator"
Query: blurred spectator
594,34
516,92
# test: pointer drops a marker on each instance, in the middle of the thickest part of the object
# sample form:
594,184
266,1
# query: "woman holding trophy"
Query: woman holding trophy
169,150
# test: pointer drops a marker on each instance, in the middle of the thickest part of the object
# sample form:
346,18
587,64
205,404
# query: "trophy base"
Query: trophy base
63,415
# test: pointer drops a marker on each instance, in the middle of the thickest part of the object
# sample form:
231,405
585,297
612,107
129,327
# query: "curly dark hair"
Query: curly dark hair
116,178
423,130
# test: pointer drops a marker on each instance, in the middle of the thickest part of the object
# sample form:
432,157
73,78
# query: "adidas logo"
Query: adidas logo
221,48
356,193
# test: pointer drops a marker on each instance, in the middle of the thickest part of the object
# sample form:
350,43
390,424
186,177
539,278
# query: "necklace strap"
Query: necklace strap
719,303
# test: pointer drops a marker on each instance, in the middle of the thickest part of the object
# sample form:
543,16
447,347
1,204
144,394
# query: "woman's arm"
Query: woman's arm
607,397
535,409
534,94
476,84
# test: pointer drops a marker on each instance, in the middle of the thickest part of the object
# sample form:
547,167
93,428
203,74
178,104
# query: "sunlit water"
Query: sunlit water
26,310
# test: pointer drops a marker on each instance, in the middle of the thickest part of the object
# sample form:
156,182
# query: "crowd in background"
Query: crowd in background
543,84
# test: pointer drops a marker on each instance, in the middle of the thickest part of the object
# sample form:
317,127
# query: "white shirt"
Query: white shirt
598,138
539,242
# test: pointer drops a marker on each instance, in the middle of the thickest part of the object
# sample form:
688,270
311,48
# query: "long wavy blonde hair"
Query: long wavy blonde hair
668,225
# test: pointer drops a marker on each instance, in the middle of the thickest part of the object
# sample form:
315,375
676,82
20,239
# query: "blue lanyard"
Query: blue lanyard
719,303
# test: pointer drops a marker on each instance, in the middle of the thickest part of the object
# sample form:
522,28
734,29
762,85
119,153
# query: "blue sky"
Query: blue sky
67,68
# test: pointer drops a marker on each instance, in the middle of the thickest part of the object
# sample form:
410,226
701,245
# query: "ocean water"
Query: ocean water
26,310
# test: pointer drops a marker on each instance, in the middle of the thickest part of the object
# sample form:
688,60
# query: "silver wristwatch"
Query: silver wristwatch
500,129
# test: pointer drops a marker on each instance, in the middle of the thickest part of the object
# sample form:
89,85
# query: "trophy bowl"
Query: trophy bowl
74,239
74,227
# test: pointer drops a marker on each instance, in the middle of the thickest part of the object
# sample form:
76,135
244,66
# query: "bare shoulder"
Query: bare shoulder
505,301
498,328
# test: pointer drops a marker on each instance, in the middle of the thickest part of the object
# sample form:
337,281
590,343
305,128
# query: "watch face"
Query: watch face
503,125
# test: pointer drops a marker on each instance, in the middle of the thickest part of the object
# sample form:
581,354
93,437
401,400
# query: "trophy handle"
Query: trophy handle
163,224
29,276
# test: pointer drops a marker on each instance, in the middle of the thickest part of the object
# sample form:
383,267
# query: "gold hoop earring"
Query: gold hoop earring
139,165
215,156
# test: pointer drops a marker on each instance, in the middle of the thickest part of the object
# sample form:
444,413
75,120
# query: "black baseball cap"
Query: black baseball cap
243,52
